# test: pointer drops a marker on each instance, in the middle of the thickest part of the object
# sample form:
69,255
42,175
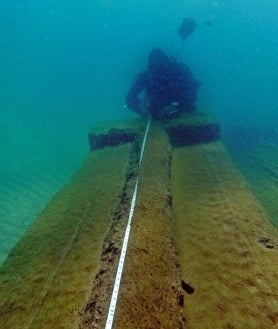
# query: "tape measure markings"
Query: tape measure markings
114,298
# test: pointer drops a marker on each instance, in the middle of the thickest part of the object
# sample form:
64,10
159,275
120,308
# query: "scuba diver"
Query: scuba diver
165,90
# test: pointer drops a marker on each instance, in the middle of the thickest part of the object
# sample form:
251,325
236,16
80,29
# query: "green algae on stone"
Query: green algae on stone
48,274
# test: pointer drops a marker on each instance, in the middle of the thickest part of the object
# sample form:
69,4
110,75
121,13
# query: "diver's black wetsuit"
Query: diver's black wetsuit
169,88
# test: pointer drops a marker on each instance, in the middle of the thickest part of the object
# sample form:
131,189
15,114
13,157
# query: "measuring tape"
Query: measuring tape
114,298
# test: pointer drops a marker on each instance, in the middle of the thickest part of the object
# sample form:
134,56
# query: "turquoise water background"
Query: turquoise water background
67,65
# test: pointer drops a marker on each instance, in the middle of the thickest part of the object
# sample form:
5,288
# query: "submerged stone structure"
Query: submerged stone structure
201,253
190,129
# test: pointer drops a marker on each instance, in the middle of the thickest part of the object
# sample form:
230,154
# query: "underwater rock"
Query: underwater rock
113,137
183,135
188,129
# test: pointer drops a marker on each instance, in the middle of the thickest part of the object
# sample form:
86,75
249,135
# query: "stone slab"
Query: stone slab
189,129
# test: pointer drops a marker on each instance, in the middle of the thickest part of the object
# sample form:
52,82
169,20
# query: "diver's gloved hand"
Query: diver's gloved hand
169,112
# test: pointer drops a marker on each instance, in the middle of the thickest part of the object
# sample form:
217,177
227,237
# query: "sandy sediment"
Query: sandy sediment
258,164
227,249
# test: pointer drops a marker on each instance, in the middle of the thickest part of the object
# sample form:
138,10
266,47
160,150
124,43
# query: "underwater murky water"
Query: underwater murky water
68,66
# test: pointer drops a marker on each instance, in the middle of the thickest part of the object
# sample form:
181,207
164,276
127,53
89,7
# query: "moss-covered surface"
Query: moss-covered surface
227,248
132,125
116,133
47,276
201,254
151,295
188,129
194,118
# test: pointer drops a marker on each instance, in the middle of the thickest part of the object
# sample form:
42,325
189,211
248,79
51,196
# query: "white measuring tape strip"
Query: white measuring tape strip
113,302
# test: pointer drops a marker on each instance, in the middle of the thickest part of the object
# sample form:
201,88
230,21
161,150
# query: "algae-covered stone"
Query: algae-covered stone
188,129
191,129
47,276
115,133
